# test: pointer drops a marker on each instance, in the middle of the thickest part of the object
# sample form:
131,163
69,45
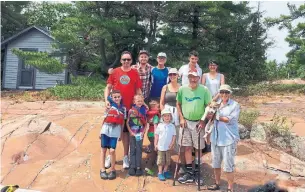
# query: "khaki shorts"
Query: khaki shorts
164,158
190,136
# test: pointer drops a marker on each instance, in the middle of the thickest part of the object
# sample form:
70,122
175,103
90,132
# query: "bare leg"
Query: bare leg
125,140
103,155
188,155
165,168
230,177
112,154
217,173
160,169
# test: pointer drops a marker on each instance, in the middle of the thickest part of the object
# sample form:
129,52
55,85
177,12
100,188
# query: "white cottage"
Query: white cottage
15,74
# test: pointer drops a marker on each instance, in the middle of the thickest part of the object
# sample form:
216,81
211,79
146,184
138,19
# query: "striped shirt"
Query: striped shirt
145,78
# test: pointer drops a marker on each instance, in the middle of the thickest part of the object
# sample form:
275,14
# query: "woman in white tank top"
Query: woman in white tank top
212,80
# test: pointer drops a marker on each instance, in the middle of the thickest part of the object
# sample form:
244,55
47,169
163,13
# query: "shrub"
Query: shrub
91,88
248,118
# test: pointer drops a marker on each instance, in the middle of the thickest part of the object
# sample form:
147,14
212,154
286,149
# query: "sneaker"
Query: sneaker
186,178
139,172
132,172
214,187
103,175
112,175
108,162
167,175
125,162
200,180
161,177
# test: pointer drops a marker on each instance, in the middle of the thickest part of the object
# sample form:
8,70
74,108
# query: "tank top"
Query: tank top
212,84
170,97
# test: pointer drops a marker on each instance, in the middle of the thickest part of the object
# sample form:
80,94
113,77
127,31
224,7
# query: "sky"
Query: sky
275,9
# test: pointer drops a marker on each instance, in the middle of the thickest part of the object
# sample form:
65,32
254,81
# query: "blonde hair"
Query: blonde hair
138,95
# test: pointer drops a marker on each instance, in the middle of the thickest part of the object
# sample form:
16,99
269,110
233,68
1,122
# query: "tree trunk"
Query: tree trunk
195,22
103,54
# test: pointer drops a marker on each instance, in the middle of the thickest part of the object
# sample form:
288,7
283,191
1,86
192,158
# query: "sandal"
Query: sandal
214,187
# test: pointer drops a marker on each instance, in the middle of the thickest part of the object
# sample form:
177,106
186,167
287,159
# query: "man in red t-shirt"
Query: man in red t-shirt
127,81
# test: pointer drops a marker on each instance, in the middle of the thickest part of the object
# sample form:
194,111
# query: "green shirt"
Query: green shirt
193,102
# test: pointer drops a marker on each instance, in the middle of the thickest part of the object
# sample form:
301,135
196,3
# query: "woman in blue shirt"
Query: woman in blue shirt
224,137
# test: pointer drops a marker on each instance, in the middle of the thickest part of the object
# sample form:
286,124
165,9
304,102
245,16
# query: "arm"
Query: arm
182,120
139,91
110,71
106,94
128,127
156,142
222,79
203,79
162,97
234,115
172,142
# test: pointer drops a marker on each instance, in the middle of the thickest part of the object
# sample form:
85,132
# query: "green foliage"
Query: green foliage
91,88
279,126
12,19
248,118
296,38
41,60
269,89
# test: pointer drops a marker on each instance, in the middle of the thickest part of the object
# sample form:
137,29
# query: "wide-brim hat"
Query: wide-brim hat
225,87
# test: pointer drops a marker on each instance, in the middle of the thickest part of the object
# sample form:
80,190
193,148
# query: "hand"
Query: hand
107,103
182,123
110,71
171,147
119,139
201,125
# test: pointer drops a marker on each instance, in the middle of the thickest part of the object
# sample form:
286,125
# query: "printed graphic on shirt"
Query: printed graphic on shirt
124,79
192,99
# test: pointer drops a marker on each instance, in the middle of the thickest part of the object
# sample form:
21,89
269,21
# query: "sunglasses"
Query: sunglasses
172,74
117,97
224,92
126,59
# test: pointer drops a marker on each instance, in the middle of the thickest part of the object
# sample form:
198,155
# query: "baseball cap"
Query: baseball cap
143,52
194,73
173,70
161,54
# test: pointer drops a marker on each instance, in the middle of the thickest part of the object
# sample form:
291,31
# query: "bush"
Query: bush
267,89
278,127
247,118
91,88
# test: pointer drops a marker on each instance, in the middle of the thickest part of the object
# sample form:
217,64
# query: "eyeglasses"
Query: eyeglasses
126,59
172,74
161,57
224,92
117,97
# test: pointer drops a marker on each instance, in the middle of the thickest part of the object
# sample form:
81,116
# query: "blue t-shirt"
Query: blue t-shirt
159,79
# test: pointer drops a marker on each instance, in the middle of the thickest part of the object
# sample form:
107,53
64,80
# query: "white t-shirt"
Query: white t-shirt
166,133
184,71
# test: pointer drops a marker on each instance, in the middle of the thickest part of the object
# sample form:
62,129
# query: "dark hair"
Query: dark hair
213,62
143,52
126,52
114,92
194,53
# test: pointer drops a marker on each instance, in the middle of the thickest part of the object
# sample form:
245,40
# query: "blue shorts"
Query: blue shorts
108,142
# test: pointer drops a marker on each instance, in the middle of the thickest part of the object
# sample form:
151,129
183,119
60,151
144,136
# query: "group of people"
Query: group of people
145,99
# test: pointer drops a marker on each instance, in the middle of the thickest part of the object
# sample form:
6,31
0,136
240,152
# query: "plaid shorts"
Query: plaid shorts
164,158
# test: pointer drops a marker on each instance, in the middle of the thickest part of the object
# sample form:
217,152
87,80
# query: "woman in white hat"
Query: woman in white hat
224,137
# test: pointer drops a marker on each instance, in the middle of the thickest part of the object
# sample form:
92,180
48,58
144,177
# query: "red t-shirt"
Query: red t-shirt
127,83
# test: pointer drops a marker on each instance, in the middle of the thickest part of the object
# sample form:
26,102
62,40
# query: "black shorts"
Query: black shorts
125,129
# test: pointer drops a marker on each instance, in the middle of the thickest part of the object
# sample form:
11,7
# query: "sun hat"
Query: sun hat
173,70
165,111
225,87
161,54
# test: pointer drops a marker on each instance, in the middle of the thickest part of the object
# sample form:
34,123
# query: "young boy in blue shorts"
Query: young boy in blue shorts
111,132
